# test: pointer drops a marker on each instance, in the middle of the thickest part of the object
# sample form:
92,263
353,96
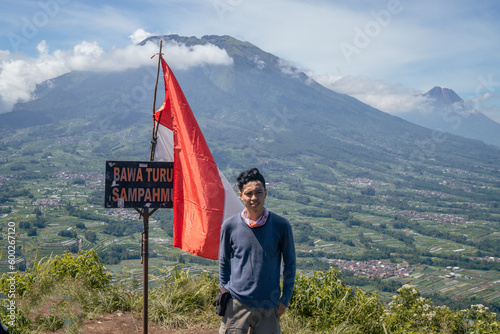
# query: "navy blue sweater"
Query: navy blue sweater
250,260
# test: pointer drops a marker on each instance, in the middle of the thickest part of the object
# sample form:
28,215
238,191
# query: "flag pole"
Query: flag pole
154,135
145,213
145,267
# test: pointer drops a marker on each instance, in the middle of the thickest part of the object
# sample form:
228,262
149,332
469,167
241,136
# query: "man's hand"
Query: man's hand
281,309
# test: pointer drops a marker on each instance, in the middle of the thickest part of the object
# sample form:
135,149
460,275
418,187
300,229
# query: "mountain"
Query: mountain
444,96
259,111
447,112
258,102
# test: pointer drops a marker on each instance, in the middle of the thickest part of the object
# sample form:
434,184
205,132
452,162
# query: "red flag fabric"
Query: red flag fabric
202,197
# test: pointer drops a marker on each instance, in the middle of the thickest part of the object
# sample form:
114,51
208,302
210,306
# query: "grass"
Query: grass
60,292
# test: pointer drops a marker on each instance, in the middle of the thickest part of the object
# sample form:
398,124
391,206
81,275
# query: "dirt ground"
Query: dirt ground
125,323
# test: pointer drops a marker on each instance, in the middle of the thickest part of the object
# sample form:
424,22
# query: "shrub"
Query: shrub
67,234
325,302
183,299
45,272
411,313
76,287
479,320
62,281
85,265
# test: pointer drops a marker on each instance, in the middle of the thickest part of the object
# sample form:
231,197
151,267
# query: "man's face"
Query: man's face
253,196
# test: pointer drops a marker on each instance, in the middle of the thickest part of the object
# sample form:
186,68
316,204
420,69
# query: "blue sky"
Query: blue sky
382,52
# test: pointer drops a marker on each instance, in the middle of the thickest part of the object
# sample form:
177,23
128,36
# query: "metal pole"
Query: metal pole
145,279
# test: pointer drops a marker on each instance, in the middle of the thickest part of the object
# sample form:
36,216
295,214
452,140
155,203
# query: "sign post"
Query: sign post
126,188
145,265
137,184
142,186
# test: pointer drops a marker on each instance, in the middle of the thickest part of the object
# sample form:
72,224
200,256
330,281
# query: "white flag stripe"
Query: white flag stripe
165,152
165,144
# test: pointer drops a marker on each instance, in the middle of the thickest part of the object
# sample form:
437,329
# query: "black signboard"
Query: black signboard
137,184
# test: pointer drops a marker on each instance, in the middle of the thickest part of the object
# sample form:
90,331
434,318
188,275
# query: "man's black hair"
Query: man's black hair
250,175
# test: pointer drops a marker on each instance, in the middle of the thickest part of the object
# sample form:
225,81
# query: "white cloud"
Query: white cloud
398,100
288,68
19,76
139,35
42,47
484,97
259,63
487,103
390,98
416,45
4,54
183,57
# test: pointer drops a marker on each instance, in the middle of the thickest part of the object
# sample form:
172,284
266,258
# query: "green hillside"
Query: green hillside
62,292
357,184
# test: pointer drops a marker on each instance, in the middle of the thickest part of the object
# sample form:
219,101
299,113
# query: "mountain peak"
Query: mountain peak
443,96
245,55
233,46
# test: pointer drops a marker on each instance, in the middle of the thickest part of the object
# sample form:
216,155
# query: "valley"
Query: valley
358,185
439,224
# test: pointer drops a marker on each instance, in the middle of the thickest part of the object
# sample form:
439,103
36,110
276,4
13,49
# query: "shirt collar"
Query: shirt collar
259,222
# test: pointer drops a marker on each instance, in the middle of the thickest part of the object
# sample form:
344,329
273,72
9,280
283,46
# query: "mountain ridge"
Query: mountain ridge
448,112
272,103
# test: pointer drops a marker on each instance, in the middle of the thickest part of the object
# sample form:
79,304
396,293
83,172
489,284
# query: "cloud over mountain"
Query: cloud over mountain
20,75
391,98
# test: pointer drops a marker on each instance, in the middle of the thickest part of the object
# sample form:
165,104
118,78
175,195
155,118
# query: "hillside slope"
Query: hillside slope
357,184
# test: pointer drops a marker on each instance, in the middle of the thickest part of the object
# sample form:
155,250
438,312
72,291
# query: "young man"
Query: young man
252,245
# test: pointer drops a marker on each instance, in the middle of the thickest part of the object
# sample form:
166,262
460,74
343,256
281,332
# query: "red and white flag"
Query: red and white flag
202,197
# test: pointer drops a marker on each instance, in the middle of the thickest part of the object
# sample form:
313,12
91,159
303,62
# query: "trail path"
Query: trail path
125,323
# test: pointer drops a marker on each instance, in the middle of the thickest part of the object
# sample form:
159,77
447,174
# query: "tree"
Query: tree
73,248
81,225
90,236
25,225
67,234
40,221
369,191
303,199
